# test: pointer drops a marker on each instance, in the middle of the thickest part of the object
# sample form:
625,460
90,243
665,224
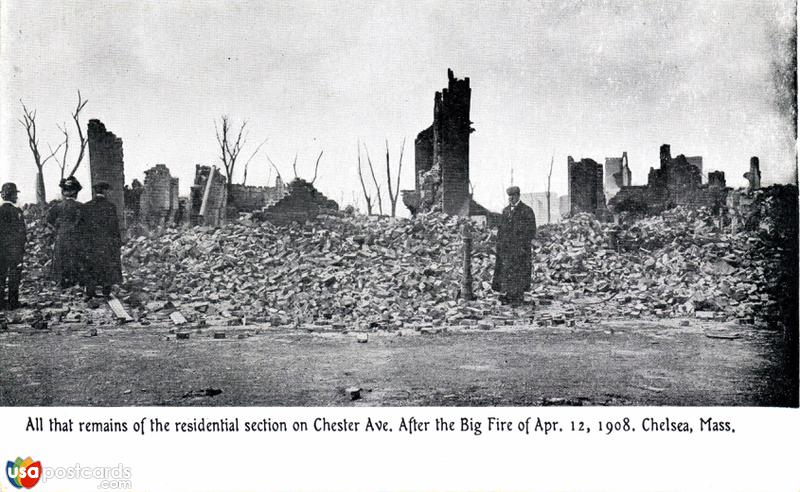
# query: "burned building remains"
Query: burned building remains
441,163
617,174
106,164
159,201
585,179
677,181
301,203
208,197
251,198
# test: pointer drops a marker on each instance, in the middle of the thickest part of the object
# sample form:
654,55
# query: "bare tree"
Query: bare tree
367,196
377,186
277,171
230,146
29,122
316,166
82,140
62,163
393,194
247,163
549,176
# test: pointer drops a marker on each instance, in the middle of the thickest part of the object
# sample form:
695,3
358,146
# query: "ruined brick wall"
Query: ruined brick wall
716,179
302,202
106,164
585,179
441,161
753,176
174,199
252,198
159,199
677,181
613,174
217,199
617,174
454,127
423,154
712,198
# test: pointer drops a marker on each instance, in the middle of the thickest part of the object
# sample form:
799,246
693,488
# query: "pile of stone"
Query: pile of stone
356,272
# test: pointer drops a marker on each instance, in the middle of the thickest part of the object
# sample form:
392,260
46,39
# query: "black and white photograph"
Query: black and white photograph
399,204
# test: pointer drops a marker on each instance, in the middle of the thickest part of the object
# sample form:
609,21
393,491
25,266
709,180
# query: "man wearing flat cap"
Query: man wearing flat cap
100,228
68,253
512,269
12,246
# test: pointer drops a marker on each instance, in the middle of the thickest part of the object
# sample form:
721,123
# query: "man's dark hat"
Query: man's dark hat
101,187
70,184
8,189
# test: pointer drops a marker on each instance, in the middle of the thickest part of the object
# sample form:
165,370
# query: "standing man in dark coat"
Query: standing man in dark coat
512,269
100,229
68,245
12,246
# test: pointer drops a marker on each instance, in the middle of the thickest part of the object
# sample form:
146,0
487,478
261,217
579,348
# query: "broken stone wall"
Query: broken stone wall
585,179
106,164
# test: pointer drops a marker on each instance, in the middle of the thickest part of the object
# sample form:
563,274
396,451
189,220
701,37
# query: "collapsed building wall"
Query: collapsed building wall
302,202
252,198
106,164
753,176
132,198
677,181
585,178
159,200
208,202
441,161
617,174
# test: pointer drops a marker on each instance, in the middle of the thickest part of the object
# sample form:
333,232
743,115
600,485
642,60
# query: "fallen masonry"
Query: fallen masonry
343,272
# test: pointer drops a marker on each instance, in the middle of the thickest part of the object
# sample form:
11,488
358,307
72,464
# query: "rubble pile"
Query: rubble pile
676,264
352,271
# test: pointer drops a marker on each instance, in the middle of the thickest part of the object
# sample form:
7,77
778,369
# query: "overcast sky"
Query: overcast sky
587,79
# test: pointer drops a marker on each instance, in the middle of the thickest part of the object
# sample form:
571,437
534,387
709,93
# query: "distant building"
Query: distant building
538,202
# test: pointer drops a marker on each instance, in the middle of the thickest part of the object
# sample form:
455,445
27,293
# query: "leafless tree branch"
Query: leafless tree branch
367,197
316,166
83,141
377,187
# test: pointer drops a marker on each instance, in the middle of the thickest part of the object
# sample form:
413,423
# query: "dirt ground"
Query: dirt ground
672,362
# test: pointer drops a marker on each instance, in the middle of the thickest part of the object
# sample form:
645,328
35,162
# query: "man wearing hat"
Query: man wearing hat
12,246
100,228
68,254
512,269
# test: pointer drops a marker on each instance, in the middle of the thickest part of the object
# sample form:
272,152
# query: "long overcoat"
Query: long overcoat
100,228
68,253
512,272
12,235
